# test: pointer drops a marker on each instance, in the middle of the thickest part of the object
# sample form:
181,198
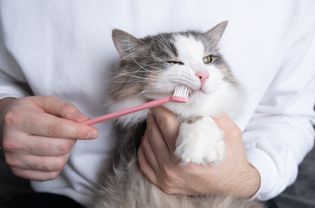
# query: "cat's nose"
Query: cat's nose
202,75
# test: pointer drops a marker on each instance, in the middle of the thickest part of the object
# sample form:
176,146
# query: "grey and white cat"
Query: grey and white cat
151,68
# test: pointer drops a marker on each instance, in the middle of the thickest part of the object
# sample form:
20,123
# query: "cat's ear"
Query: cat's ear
125,43
216,32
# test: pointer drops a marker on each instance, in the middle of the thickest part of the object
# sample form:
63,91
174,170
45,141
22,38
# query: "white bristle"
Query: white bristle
181,91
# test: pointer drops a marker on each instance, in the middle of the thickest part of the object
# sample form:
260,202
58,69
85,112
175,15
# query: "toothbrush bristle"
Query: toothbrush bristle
181,93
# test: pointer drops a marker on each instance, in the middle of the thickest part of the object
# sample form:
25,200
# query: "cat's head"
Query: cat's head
153,66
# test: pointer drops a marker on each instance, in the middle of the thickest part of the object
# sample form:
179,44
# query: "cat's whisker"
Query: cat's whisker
134,74
128,81
139,70
138,77
131,52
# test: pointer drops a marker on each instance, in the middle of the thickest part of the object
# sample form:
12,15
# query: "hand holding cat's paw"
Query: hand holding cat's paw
234,176
200,142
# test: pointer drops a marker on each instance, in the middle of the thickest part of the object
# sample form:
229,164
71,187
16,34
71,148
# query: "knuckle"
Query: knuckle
59,163
31,123
64,147
235,133
10,118
67,108
10,160
20,173
54,130
17,172
10,145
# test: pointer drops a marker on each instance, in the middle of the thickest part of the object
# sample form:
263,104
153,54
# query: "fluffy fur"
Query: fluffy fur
151,68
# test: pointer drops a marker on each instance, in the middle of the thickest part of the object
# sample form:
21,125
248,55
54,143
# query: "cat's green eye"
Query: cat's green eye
208,59
175,62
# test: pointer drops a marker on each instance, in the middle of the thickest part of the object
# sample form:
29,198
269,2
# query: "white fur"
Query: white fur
189,50
200,142
223,100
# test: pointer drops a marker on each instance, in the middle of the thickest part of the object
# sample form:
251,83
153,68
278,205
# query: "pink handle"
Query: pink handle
118,114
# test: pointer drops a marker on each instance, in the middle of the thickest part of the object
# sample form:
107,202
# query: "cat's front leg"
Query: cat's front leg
200,142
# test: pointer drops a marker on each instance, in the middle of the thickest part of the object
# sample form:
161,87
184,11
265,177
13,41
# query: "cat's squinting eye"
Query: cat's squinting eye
175,62
208,59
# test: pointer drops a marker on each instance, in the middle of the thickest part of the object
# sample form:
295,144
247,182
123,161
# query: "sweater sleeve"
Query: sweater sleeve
281,131
12,81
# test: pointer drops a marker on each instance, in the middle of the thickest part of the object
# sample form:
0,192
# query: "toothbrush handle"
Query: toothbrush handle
137,108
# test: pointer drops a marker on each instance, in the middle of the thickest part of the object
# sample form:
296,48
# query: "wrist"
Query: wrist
4,103
251,182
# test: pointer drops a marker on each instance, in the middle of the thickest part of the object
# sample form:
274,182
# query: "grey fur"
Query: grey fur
125,186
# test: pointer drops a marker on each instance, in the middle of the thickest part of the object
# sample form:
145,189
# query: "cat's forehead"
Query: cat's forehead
189,48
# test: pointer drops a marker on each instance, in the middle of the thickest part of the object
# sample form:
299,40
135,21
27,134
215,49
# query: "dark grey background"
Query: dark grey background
299,195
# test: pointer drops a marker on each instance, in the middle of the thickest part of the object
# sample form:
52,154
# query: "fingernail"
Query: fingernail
92,135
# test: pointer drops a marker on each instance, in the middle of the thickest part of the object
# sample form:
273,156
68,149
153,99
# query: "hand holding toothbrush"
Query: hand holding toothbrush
38,134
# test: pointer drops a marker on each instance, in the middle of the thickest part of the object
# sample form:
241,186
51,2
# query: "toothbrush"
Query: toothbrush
180,95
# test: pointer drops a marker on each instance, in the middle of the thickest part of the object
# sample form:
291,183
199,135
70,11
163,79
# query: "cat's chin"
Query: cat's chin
202,103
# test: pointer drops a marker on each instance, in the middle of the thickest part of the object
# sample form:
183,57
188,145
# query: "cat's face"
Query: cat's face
153,66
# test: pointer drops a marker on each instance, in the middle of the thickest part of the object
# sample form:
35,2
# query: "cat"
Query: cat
151,68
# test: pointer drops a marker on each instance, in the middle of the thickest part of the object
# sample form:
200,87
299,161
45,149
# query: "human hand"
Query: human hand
38,134
233,176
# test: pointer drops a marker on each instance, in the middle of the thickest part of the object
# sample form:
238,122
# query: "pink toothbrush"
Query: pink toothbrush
180,95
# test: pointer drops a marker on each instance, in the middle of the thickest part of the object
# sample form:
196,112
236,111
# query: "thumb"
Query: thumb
168,125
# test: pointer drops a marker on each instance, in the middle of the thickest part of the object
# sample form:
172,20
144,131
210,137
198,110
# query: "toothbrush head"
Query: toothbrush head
181,94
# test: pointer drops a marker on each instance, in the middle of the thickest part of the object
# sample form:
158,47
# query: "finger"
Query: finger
149,155
47,125
228,126
224,122
35,175
157,143
35,163
45,146
55,106
146,168
168,125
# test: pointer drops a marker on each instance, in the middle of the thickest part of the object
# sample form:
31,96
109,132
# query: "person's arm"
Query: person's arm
281,133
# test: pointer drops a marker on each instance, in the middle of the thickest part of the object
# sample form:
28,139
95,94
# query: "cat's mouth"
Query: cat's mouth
194,94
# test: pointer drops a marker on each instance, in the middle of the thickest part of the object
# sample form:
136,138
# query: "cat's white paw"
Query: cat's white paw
200,142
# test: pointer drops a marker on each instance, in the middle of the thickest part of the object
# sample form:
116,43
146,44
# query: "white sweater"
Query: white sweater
64,48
